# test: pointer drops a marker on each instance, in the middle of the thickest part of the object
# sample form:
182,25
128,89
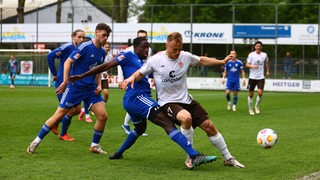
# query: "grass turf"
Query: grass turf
294,116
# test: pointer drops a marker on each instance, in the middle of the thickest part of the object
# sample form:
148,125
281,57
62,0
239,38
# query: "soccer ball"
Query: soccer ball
267,138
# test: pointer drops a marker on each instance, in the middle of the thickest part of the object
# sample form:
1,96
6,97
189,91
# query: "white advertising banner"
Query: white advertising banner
26,67
301,34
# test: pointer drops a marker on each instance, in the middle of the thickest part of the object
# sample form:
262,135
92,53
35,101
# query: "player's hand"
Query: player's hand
223,81
74,78
61,88
98,90
243,82
54,78
267,74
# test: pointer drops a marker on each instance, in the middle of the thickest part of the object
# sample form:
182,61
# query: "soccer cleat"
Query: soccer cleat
188,162
80,117
256,107
126,128
234,109
88,119
251,111
67,137
144,134
32,147
115,156
201,159
97,149
229,106
233,162
12,86
55,129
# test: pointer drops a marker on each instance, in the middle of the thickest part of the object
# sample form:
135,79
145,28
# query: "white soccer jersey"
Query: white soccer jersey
170,76
257,59
108,58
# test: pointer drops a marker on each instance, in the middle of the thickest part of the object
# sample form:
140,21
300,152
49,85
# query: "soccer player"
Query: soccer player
233,68
139,104
106,76
86,56
13,67
169,68
62,53
125,126
255,62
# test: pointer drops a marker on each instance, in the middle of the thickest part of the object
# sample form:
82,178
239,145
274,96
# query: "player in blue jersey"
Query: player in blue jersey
232,69
139,104
13,67
85,57
62,53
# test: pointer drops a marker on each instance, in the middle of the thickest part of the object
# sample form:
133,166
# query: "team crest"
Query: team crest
180,64
121,57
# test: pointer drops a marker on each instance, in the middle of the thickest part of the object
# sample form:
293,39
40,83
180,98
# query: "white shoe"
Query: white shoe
257,109
32,147
229,106
144,134
233,162
97,149
251,112
234,109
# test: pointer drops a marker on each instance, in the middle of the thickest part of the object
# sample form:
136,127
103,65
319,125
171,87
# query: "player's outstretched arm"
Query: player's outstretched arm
206,61
98,69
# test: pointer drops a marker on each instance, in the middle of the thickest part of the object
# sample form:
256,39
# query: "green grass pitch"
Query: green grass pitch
294,116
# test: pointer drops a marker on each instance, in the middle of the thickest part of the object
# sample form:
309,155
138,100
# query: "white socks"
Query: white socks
188,133
219,142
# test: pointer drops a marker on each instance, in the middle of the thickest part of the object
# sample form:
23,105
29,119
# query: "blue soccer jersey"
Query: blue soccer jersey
233,69
62,53
137,101
86,56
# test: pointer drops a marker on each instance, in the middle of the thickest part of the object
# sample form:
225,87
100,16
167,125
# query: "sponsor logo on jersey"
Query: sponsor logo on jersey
76,56
121,57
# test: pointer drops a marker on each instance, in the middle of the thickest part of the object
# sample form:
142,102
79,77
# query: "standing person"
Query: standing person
86,56
139,104
107,75
140,33
233,68
287,63
62,53
255,62
169,68
14,69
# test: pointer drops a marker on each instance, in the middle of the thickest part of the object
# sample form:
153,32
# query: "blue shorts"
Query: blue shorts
233,86
73,96
13,74
138,106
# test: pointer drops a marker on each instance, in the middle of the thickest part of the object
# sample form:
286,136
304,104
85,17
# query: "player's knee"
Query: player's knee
209,127
184,117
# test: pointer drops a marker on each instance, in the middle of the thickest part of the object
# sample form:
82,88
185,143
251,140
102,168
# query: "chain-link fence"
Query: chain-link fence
306,56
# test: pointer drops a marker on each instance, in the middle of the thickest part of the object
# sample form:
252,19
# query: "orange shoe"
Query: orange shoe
80,117
67,137
55,129
88,119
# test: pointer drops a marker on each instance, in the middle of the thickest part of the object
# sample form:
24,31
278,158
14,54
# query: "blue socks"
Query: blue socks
66,121
97,136
183,142
44,131
235,100
131,139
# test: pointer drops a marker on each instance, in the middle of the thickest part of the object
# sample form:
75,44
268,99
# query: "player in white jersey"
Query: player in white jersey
106,76
125,126
255,62
169,70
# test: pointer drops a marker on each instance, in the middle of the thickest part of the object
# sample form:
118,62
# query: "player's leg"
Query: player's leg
236,89
251,86
99,109
66,121
46,128
228,99
178,113
87,112
105,90
125,126
260,93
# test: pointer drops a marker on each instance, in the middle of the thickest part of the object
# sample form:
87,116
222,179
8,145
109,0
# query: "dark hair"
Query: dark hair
137,41
258,42
74,33
104,26
142,31
87,38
